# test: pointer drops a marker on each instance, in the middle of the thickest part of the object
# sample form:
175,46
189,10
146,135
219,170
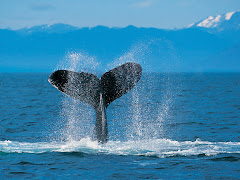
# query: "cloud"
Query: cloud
41,7
143,4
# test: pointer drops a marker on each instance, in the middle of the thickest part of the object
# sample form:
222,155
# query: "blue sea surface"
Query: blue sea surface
170,126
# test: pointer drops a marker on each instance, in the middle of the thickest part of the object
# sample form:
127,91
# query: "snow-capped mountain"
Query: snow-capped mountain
54,28
209,45
229,21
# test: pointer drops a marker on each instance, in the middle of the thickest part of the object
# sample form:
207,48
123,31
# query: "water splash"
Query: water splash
137,54
153,147
78,117
142,124
79,62
157,50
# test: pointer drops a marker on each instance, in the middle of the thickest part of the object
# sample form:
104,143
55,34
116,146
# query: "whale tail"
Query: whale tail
87,87
98,93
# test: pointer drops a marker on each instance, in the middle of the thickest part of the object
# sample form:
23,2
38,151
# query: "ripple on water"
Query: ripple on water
229,158
26,163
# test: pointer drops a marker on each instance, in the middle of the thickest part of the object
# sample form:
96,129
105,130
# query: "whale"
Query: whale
99,93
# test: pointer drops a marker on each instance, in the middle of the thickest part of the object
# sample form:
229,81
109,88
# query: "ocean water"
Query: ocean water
170,126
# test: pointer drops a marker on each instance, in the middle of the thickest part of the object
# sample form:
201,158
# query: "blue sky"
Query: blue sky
164,14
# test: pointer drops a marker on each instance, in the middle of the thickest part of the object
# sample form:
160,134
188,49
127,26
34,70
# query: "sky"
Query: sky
163,14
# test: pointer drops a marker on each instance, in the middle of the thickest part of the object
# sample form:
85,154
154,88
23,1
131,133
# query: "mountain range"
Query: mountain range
210,45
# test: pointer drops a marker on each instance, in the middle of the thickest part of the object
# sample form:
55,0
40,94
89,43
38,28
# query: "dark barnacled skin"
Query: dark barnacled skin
98,93
120,80
82,86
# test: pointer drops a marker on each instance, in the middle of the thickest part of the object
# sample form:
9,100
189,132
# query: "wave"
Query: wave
151,147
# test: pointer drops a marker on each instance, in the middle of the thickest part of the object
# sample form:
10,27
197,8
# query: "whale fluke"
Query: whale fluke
82,86
98,93
120,80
